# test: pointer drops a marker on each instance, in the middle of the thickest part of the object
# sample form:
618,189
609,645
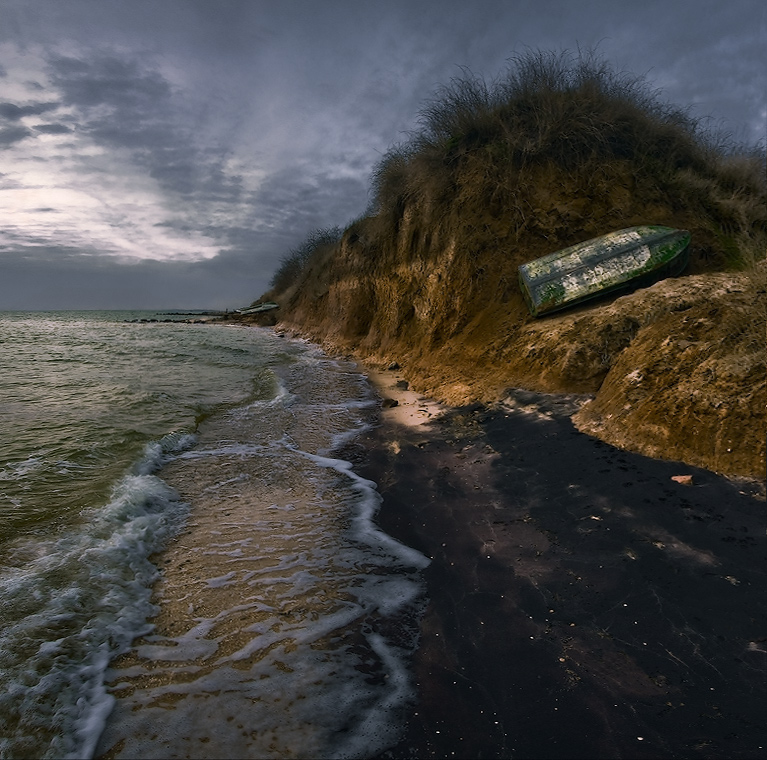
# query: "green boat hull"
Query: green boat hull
619,260
268,306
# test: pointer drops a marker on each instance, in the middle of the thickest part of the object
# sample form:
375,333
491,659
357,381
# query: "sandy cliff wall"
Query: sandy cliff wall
557,151
672,367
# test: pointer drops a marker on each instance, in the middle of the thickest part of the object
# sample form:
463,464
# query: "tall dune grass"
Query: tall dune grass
559,148
296,261
573,121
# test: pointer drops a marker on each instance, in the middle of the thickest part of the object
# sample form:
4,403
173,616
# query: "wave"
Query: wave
289,618
76,601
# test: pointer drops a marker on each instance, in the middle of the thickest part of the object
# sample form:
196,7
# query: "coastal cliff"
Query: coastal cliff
559,152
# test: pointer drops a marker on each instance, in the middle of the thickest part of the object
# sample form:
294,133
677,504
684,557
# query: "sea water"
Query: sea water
282,619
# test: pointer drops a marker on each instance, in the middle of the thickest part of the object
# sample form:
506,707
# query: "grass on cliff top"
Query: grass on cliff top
296,261
563,143
558,149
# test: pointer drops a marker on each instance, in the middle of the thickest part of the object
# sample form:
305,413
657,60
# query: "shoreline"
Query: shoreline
409,408
283,614
582,603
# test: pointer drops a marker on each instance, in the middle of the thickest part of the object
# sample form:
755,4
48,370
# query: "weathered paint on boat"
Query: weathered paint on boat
614,261
259,307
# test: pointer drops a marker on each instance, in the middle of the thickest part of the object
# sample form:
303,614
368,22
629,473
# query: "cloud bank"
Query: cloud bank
168,154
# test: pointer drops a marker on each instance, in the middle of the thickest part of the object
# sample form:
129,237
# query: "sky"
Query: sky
166,154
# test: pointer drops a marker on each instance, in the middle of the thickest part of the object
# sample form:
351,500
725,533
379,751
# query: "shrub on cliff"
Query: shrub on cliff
561,147
294,263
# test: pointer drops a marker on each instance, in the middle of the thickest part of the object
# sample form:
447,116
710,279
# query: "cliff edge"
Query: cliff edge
560,151
669,373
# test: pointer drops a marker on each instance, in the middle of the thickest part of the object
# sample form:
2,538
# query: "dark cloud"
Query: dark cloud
52,129
65,279
13,112
293,200
11,135
246,125
108,80
120,102
192,172
8,183
36,249
126,105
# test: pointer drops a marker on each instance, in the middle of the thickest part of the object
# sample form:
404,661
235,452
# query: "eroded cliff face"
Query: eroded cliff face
685,387
668,375
673,368
668,366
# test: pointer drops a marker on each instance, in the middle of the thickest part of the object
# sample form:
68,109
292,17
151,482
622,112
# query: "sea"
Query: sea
189,563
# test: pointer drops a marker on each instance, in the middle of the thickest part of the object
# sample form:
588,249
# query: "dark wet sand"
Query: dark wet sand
582,604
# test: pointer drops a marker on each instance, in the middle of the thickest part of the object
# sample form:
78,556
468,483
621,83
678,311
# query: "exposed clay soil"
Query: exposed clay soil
669,367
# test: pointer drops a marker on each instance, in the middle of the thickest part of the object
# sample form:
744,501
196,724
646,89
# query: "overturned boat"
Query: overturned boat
626,258
259,307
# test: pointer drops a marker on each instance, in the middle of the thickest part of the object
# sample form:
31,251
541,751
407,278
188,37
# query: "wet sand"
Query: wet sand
285,617
582,604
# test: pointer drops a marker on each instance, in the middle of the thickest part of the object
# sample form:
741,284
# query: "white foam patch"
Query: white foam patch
187,648
158,453
90,589
379,725
221,581
20,470
237,479
281,396
289,656
242,450
367,505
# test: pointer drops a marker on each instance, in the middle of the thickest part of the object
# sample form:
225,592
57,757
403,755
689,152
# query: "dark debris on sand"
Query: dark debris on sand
582,604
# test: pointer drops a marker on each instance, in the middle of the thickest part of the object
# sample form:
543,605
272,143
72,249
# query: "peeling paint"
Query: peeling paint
600,265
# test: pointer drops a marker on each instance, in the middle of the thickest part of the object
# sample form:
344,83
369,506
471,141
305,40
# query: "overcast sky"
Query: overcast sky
167,153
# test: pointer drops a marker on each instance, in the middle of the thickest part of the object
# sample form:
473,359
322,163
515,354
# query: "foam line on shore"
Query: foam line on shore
282,606
93,585
365,529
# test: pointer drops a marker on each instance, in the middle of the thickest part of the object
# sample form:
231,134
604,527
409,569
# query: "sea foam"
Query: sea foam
289,616
80,601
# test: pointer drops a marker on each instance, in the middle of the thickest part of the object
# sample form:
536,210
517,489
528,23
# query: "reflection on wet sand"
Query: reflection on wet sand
286,618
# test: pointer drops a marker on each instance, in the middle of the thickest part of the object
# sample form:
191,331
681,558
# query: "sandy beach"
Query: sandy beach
582,602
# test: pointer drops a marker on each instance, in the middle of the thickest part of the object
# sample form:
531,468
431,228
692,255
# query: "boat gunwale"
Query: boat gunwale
529,285
598,258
